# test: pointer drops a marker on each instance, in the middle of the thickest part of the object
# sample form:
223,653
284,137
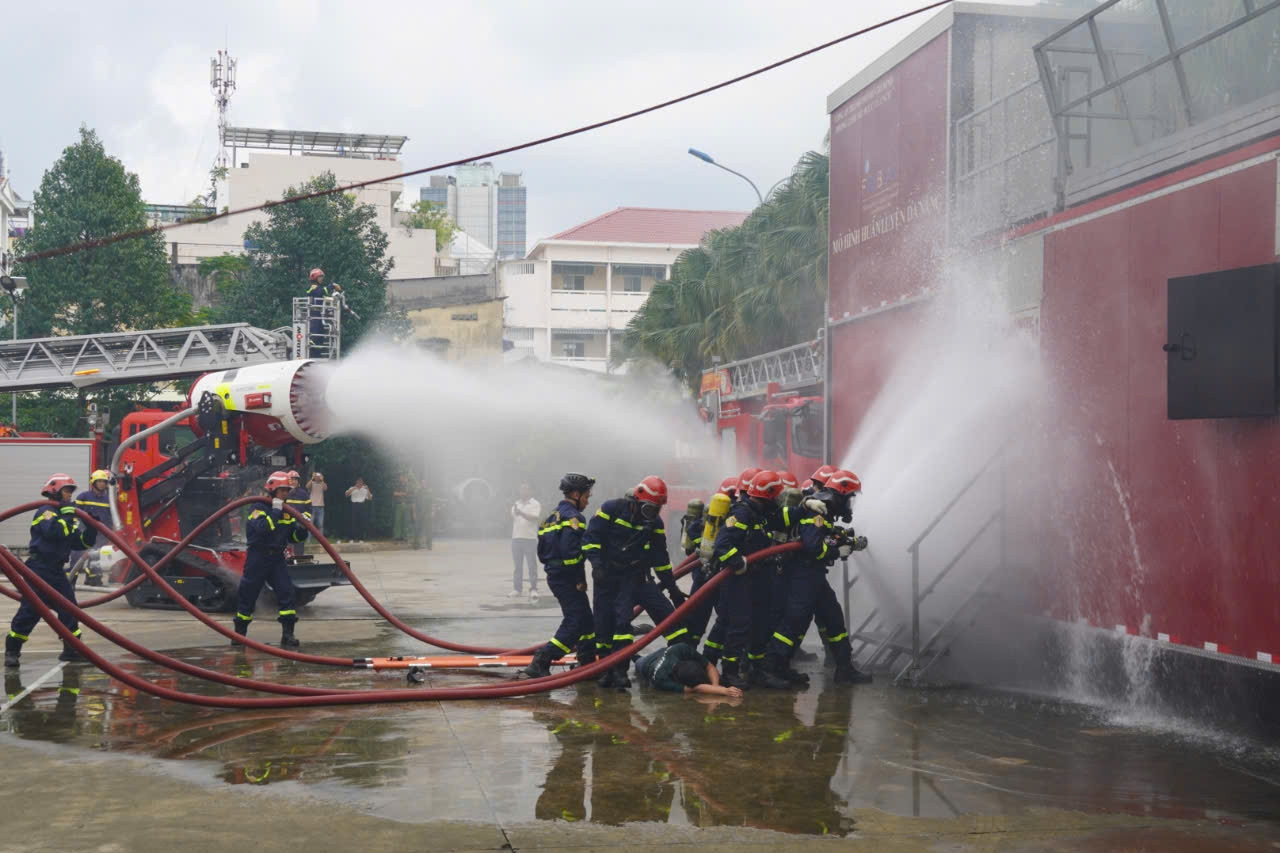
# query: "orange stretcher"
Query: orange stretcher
456,661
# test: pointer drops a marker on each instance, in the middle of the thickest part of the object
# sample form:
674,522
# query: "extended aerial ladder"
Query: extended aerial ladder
155,355
788,369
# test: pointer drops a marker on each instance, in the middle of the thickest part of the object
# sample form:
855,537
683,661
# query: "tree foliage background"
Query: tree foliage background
745,290
86,195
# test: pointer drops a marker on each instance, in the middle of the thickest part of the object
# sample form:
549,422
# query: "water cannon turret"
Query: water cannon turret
277,403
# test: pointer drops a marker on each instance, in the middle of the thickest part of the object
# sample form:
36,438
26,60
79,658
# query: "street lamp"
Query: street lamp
706,158
13,284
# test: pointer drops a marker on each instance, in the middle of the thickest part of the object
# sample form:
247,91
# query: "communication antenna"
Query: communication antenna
222,81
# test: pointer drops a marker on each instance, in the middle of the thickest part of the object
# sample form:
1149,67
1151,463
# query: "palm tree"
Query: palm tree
746,290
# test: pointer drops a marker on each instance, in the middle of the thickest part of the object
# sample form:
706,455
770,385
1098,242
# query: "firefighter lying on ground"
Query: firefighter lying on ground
680,669
625,540
55,531
269,532
560,552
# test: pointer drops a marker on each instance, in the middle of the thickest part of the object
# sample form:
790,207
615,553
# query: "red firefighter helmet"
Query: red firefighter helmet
789,480
316,273
278,480
765,484
56,483
844,482
819,477
728,485
652,490
295,475
744,479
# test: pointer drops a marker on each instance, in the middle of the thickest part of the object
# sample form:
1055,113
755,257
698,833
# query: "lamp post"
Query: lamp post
12,284
707,158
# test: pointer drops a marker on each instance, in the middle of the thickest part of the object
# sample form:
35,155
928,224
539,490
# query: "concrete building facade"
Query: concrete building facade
459,317
490,206
569,301
258,176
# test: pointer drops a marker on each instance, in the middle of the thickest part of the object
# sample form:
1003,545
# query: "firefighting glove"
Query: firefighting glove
816,505
277,504
860,543
844,550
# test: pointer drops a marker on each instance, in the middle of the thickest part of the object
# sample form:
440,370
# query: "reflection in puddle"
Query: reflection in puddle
803,763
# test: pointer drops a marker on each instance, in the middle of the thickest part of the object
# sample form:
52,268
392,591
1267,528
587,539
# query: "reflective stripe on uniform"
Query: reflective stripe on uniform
243,617
288,613
678,633
259,513
755,656
561,646
583,638
591,546
623,638
728,554
665,568
712,644
93,503
17,636
784,639
837,638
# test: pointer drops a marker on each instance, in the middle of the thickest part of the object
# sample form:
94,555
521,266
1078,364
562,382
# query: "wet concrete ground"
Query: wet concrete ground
883,768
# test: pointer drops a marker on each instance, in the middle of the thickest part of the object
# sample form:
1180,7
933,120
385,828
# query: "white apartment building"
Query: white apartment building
572,297
266,162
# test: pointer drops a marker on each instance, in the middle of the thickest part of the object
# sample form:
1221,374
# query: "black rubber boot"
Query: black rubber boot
540,666
621,680
771,673
846,672
12,651
71,655
731,677
605,680
287,640
795,677
242,628
712,655
586,654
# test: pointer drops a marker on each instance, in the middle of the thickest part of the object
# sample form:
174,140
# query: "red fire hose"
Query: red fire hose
152,572
516,688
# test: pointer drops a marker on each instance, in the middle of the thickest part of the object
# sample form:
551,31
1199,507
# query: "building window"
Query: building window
631,283
573,349
471,317
573,282
522,269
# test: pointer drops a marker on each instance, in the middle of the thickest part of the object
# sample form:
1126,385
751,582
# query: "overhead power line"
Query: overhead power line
471,158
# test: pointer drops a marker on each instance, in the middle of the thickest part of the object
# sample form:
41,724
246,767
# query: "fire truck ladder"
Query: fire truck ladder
893,644
109,359
793,367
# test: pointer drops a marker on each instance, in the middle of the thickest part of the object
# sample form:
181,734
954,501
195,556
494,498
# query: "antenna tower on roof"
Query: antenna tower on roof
222,81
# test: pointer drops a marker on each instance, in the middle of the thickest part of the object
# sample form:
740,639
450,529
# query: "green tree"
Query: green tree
332,232
746,290
429,214
87,195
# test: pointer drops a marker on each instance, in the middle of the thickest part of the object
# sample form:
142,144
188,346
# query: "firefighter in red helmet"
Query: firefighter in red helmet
625,540
317,292
270,531
55,533
744,533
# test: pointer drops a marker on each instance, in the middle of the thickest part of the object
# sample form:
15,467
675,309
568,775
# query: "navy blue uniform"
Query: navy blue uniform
269,532
743,534
95,504
622,548
806,575
55,533
319,345
560,552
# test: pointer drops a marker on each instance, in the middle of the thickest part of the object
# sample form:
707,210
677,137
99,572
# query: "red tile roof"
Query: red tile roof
652,225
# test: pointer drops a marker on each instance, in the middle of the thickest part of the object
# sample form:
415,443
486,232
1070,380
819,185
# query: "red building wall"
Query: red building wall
1162,526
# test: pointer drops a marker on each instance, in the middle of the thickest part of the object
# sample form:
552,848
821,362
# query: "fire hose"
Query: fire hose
152,573
354,697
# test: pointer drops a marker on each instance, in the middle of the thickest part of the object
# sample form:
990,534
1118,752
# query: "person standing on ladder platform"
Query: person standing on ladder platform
560,552
269,532
317,292
55,531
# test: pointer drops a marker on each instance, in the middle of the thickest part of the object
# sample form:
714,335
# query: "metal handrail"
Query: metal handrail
967,486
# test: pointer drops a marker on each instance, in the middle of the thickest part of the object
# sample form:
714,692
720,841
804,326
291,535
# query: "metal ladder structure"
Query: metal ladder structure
108,359
790,368
82,361
895,645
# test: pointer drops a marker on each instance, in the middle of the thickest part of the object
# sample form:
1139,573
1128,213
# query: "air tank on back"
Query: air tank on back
278,402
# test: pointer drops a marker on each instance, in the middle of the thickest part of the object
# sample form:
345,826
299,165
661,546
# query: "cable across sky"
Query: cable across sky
471,158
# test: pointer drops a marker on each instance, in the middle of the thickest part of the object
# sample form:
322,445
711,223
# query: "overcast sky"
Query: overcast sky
457,78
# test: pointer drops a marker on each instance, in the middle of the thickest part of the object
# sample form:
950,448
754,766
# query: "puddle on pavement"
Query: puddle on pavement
798,763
